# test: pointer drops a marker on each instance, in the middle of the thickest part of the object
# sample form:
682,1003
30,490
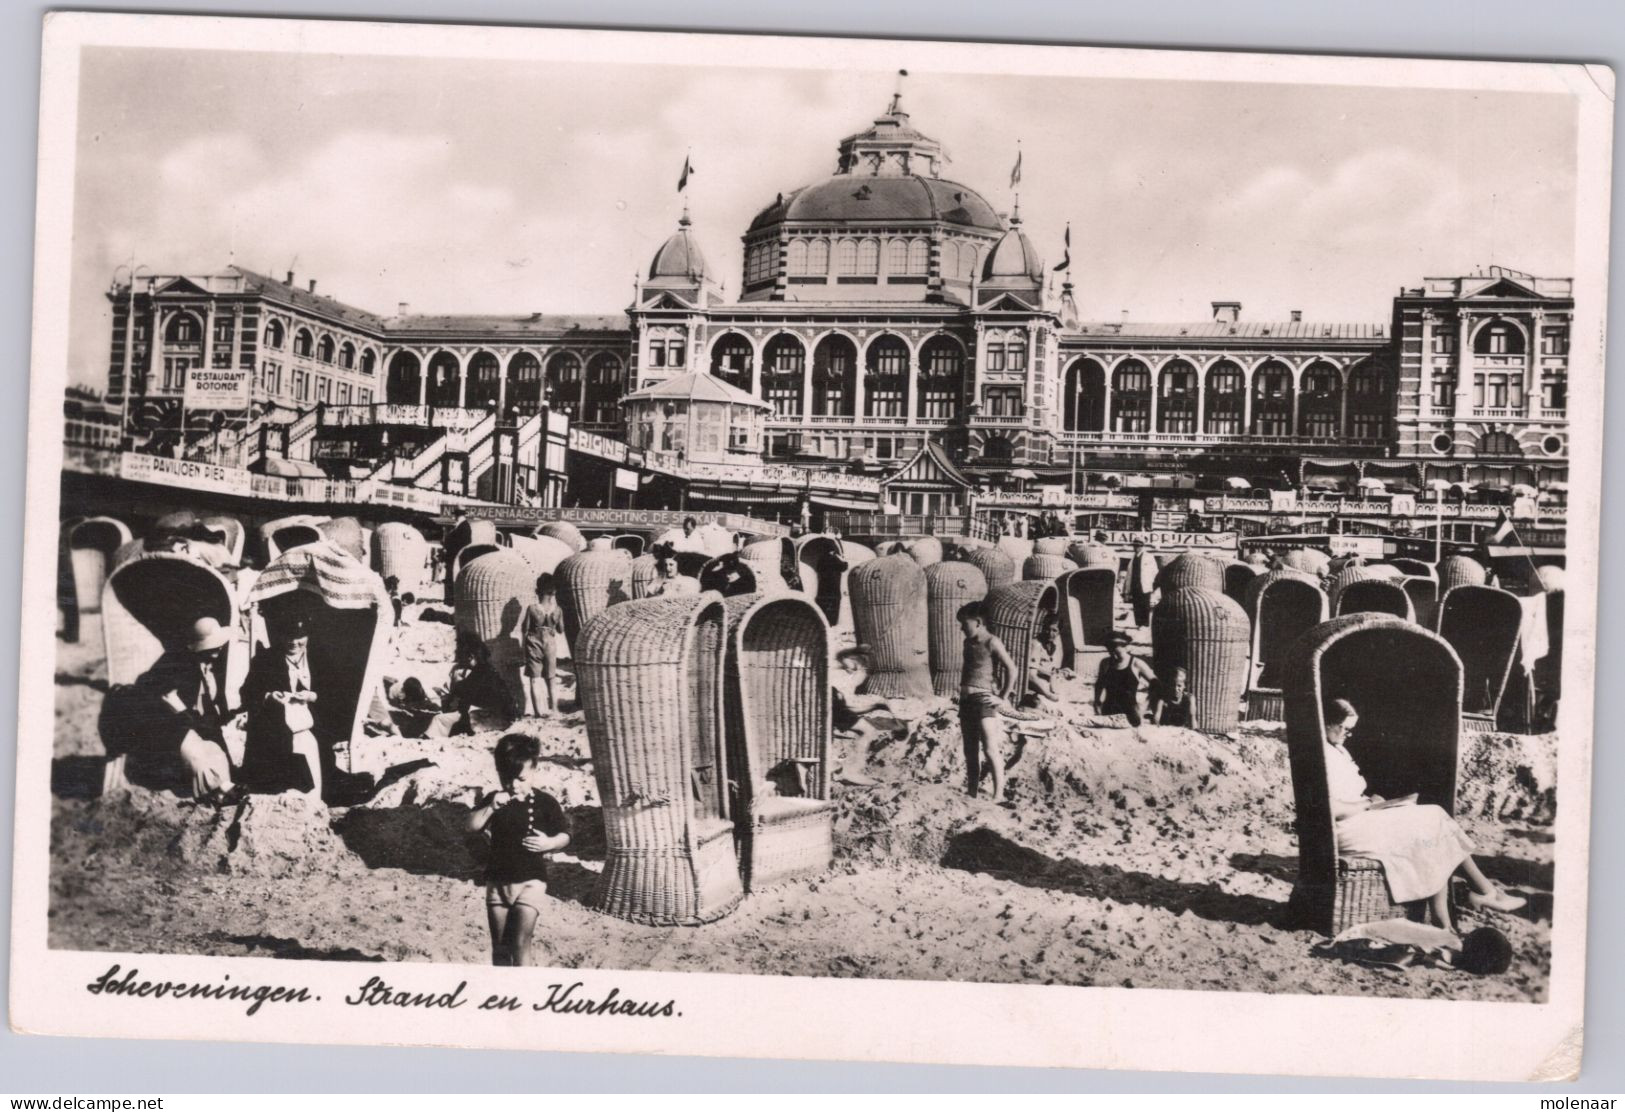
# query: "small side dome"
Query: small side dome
679,256
1014,257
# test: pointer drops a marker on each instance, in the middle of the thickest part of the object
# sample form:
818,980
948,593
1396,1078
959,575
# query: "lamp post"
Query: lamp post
134,270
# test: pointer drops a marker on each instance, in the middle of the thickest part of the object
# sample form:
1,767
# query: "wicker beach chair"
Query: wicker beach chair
769,559
492,595
776,704
92,546
1015,613
925,550
1376,596
401,553
233,535
1482,624
1340,580
284,533
1046,566
631,543
823,574
349,616
995,565
1460,571
466,556
563,531
349,534
1310,560
1091,555
1050,546
1288,606
890,615
948,586
1424,593
1088,598
1255,588
650,677
589,583
543,554
1208,635
1191,570
1405,682
1237,575
642,577
1017,548
148,604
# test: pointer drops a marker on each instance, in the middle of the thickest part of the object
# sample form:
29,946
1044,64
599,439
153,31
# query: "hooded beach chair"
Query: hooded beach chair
92,546
823,567
543,554
650,677
1460,571
464,532
1016,613
1191,570
1424,593
1045,566
231,532
995,564
1208,634
400,552
1088,599
281,534
890,613
1286,607
1376,596
348,616
1406,685
563,531
776,710
492,595
589,583
1237,575
948,586
1483,625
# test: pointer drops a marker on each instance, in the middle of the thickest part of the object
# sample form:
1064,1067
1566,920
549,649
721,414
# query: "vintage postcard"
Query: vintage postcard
736,545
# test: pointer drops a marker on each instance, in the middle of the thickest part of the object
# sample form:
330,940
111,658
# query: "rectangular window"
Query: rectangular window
1555,392
1554,341
1444,342
344,393
1003,401
1478,391
995,358
1368,426
885,402
1320,423
324,388
1498,341
938,405
1016,358
363,395
1498,392
674,353
1224,422
1444,393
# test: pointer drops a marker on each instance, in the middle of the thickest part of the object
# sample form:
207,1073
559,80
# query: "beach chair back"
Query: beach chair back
1285,609
823,574
1483,625
491,597
1016,613
1424,593
1088,598
563,531
1189,569
400,552
1237,575
1376,596
1460,571
590,583
891,617
92,547
232,533
995,565
948,586
1208,635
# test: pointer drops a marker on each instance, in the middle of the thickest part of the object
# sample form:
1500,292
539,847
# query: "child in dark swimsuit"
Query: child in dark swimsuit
1171,703
1120,679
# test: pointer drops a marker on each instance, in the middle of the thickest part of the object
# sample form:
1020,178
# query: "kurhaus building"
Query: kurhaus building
887,306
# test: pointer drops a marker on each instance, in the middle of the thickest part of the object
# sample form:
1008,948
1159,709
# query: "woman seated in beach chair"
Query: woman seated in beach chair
1419,845
280,751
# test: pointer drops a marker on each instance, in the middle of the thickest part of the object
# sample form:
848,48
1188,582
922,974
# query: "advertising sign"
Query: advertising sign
215,389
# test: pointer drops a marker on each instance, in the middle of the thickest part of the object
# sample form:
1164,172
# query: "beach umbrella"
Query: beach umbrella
1559,486
1372,484
1524,490
1236,482
1438,485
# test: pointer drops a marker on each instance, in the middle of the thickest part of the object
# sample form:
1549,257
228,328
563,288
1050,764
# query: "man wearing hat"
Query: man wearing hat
280,751
169,721
1140,582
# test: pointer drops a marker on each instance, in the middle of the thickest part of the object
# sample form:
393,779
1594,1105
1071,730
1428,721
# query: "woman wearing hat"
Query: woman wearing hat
1121,679
280,751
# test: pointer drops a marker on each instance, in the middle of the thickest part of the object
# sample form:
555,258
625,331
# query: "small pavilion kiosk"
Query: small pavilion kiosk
698,415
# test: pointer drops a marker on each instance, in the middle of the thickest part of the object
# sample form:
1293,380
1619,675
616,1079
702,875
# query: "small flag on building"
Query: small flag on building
1504,541
682,179
1066,253
1015,171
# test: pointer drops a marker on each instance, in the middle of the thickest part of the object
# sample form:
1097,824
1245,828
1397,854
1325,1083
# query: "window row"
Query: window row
324,349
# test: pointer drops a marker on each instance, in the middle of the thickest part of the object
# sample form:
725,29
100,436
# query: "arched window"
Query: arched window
759,260
846,257
782,365
1499,444
1368,402
897,256
347,355
885,385
1131,397
798,257
605,385
369,361
733,361
562,385
404,381
997,449
445,380
303,343
1320,401
835,362
1272,400
275,336
1083,408
818,257
324,349
1176,404
183,328
869,256
1224,399
1498,338
484,380
942,379
919,256
525,384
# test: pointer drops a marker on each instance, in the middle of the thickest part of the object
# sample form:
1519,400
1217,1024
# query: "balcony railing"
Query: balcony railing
1207,439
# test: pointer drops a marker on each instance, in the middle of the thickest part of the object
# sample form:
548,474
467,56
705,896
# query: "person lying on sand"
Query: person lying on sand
524,825
1419,845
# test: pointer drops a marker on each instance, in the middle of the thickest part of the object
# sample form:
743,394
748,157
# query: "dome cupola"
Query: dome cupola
679,257
1014,258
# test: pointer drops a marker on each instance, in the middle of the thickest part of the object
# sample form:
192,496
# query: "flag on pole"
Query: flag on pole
682,179
1505,539
1015,171
1066,254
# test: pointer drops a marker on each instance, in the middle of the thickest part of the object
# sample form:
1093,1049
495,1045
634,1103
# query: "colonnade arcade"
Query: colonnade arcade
586,384
923,381
1218,395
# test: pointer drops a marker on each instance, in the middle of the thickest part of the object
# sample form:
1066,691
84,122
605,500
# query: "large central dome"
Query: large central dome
885,227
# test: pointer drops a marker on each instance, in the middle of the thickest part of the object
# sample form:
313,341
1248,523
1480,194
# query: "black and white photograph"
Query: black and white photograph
576,514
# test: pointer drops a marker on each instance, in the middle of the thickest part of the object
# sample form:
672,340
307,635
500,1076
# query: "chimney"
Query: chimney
313,285
289,282
1297,316
401,308
1227,312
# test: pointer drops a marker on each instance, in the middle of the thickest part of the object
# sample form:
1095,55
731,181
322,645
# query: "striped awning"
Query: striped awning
836,502
325,570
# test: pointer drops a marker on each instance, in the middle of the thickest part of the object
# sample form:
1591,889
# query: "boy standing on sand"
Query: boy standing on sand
524,825
542,625
982,698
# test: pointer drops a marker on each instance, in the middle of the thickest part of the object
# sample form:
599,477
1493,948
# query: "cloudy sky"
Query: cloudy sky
496,186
